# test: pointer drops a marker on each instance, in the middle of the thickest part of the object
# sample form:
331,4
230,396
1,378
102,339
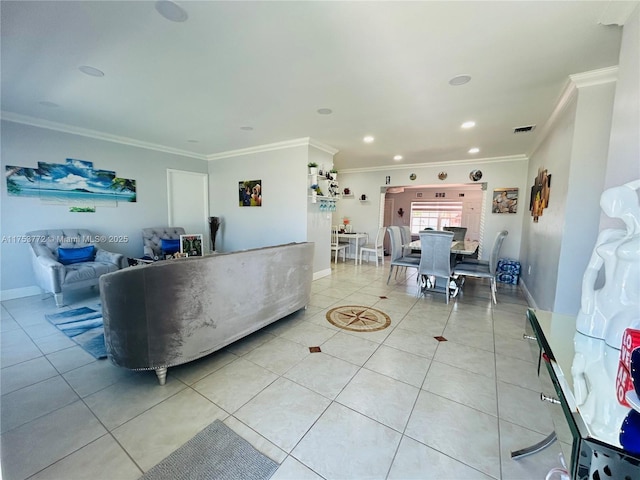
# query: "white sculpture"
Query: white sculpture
594,370
605,312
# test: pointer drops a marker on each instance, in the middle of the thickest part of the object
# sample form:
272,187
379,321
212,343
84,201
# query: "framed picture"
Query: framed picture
191,244
250,193
505,200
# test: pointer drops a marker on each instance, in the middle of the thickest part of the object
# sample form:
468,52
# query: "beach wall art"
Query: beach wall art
75,182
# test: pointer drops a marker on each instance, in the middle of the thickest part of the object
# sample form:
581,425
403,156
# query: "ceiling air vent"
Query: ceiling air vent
524,129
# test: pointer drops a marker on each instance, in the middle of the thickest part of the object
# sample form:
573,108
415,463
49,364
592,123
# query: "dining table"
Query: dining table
461,247
354,236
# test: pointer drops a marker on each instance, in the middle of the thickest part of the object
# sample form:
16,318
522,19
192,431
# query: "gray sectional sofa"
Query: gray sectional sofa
172,312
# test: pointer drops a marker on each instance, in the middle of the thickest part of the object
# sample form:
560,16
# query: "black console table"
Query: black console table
585,411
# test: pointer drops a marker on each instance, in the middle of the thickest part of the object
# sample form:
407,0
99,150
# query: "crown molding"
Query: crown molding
322,146
595,77
474,162
573,84
616,13
85,132
298,142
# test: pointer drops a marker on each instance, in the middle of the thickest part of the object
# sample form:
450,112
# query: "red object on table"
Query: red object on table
624,383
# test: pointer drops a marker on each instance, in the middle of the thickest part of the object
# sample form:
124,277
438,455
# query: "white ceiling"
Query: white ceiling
381,67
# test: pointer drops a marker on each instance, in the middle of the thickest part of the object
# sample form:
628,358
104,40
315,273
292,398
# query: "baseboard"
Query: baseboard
321,273
525,290
19,293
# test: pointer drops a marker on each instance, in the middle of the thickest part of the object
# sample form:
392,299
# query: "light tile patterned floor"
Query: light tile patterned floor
394,403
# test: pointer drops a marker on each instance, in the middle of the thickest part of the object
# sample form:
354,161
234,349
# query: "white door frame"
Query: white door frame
205,189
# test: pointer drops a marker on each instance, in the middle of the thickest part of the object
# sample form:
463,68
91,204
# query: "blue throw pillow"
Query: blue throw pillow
170,245
67,256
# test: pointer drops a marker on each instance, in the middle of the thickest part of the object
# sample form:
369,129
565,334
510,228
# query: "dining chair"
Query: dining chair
436,262
459,233
405,234
483,268
337,246
398,259
377,248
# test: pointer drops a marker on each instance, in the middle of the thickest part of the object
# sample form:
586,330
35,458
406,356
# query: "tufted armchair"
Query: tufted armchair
152,239
67,259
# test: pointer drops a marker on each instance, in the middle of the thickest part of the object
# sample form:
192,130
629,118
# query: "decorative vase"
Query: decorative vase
214,225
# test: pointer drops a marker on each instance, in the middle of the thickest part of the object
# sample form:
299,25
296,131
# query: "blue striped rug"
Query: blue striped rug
84,326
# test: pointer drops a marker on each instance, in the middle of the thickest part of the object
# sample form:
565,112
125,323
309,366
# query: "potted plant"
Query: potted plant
313,168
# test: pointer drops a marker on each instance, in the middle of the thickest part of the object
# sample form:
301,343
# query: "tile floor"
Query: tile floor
394,403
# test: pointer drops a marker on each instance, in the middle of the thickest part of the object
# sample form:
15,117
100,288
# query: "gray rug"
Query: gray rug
217,452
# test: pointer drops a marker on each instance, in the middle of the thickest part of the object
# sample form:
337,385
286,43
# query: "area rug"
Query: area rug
358,318
217,452
84,326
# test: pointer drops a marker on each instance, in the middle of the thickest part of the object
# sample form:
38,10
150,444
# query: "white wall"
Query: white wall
593,145
586,175
557,249
509,173
319,223
282,218
24,145
623,164
285,215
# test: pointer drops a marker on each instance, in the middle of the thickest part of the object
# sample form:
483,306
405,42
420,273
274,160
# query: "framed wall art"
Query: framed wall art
540,193
505,200
191,244
250,193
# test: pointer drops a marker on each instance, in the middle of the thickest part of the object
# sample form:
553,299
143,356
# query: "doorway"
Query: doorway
402,203
188,196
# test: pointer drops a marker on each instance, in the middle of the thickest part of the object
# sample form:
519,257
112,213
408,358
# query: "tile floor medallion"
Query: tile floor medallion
358,318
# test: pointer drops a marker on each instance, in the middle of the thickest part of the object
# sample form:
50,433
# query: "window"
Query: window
435,215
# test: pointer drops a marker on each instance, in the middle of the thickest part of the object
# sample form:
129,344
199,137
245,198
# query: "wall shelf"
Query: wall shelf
324,198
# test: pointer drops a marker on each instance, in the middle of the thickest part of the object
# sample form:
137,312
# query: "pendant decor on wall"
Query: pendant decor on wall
475,175
540,194
74,183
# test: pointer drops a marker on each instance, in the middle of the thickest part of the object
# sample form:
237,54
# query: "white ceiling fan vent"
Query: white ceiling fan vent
525,129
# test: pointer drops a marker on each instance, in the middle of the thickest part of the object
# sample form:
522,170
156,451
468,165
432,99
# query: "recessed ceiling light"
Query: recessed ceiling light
248,129
460,80
397,157
368,139
474,150
325,111
49,104
91,71
469,124
171,11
